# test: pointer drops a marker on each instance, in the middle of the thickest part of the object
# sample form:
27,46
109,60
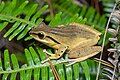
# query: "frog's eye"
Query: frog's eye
41,35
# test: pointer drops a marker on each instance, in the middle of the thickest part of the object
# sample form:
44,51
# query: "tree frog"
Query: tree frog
77,40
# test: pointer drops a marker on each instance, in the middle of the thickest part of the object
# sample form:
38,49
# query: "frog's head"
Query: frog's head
40,33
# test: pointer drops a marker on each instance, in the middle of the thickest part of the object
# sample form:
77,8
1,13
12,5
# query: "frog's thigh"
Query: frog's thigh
84,53
88,42
58,52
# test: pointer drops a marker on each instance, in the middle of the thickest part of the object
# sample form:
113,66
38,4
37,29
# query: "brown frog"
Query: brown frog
77,40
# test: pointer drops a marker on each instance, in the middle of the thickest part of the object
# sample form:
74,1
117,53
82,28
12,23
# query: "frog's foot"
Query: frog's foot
45,51
51,56
45,60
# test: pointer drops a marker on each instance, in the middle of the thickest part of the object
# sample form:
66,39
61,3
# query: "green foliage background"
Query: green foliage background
23,15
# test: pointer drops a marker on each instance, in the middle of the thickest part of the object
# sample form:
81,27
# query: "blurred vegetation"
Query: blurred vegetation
21,55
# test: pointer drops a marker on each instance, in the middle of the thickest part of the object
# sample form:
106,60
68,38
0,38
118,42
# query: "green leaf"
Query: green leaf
7,60
29,57
34,56
3,25
6,64
2,4
15,66
44,73
56,20
69,73
37,74
86,70
76,70
1,68
61,71
23,16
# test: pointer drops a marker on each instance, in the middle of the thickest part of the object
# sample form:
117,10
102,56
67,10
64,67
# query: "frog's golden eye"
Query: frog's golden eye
41,35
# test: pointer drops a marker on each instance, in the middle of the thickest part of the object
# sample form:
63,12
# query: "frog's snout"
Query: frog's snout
30,32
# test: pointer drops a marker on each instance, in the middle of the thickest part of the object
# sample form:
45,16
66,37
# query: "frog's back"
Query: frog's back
85,29
72,34
75,30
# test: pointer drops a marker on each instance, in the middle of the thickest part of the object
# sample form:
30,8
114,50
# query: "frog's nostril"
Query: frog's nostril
41,36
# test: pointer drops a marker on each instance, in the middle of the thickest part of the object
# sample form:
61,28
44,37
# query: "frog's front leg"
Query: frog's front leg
59,51
83,53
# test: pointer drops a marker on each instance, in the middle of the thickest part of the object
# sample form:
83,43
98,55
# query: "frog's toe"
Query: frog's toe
44,61
45,51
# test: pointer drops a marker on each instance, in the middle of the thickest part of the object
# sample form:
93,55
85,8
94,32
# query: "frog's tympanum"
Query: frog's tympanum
77,40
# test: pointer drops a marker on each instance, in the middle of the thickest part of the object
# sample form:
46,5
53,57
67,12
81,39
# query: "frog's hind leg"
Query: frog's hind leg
83,54
73,61
58,53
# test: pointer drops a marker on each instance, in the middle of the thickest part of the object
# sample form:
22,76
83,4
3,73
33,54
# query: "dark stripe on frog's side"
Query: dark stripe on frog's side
71,31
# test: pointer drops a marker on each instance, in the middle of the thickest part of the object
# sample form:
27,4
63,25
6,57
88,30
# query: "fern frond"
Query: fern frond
25,70
70,9
23,17
26,15
107,6
115,44
10,68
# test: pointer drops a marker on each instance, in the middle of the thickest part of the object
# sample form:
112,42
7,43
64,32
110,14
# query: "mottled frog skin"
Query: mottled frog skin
77,40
